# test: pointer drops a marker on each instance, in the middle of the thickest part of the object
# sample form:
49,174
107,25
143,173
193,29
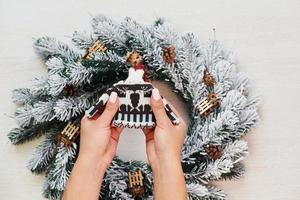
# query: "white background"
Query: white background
264,34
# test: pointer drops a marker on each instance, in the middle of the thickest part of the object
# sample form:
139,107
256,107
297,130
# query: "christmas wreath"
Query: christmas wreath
222,108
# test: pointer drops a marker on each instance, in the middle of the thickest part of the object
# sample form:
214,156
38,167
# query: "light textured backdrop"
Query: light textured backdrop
264,34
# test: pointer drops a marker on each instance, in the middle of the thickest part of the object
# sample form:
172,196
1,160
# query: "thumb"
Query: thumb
158,109
110,110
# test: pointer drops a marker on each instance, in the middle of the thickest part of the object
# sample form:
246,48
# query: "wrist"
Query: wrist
92,162
166,165
168,177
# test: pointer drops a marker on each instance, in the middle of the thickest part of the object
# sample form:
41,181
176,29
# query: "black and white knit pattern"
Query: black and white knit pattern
134,106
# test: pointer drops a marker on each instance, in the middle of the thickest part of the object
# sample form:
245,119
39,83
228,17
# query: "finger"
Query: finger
115,133
96,110
110,109
175,111
183,123
158,109
150,147
172,116
150,150
118,129
178,116
112,147
149,136
147,130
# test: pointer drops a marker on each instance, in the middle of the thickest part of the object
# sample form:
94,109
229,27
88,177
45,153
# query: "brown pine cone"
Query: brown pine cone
208,79
69,90
169,55
214,151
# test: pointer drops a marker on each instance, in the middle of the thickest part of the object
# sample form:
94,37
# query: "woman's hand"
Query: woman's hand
98,145
163,147
98,139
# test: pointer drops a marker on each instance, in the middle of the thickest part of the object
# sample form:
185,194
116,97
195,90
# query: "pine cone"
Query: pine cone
169,55
208,79
134,58
215,152
69,90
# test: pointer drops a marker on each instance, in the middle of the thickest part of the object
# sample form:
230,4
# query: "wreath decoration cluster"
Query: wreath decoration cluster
222,106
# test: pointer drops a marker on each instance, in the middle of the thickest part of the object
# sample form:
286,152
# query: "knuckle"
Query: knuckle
164,123
111,107
157,105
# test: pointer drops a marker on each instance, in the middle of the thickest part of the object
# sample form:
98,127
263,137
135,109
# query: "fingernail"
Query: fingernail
113,97
156,94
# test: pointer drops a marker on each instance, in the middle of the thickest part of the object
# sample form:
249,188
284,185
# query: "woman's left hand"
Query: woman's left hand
98,139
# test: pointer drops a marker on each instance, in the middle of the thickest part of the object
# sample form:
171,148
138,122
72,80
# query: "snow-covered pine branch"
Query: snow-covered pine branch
60,171
21,95
109,33
201,192
20,135
167,38
43,154
236,172
190,62
67,108
233,153
29,115
49,46
61,73
83,40
142,41
36,92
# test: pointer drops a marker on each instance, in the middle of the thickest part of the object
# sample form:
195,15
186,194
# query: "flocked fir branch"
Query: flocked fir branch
59,171
44,153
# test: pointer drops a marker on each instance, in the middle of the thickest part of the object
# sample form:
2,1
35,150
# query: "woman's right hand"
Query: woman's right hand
163,147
